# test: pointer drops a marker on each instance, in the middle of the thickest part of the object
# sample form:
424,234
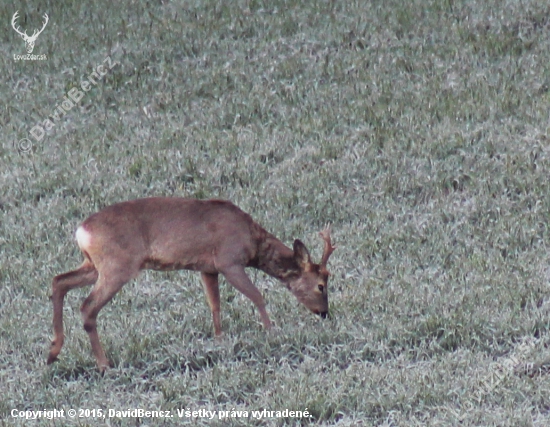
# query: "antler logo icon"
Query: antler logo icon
29,41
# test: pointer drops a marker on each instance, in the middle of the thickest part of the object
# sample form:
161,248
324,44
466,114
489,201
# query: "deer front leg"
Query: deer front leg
237,277
212,290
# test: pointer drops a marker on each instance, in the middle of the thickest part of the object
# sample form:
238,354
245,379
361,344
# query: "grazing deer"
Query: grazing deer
210,236
29,40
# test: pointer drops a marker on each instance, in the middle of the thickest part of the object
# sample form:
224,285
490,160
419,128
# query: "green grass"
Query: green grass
418,129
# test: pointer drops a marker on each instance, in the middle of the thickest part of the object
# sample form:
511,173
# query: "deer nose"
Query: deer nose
324,314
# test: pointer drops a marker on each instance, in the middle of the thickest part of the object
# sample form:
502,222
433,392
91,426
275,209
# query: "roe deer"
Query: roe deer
210,236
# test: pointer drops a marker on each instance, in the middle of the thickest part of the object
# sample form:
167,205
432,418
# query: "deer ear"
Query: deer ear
301,254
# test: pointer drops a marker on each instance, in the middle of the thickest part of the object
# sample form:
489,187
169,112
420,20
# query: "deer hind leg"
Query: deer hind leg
212,290
109,283
84,276
237,277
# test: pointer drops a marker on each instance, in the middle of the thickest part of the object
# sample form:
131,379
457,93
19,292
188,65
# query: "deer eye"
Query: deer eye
320,287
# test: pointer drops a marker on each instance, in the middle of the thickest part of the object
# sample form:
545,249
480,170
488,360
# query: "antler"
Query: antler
25,35
15,16
325,234
36,32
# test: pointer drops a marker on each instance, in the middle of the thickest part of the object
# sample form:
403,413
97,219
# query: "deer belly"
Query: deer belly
195,264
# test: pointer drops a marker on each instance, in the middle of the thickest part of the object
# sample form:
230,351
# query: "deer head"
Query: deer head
29,41
310,285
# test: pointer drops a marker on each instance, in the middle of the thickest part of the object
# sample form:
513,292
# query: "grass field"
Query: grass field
419,129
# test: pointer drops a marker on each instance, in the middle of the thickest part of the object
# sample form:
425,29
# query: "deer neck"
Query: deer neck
275,259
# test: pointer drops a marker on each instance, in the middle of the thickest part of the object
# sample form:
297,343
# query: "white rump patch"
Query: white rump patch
83,238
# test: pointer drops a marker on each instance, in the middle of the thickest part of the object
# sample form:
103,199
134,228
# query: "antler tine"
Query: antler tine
14,18
46,20
325,234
